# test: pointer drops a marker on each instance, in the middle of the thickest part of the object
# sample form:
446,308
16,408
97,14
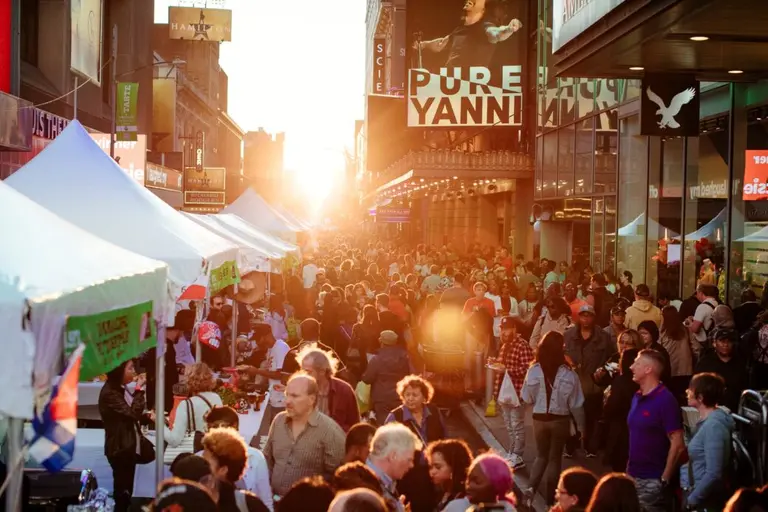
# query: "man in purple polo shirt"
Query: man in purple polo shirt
655,433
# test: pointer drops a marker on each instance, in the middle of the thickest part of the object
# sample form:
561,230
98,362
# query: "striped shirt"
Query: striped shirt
318,450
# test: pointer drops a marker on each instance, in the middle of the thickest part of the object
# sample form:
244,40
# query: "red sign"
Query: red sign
5,45
756,175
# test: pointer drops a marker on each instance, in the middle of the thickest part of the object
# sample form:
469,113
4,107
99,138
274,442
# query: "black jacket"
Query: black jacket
121,421
734,372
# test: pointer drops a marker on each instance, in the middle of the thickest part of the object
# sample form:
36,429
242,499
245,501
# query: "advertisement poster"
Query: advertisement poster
200,24
465,63
110,337
126,111
223,276
85,41
131,156
756,175
206,187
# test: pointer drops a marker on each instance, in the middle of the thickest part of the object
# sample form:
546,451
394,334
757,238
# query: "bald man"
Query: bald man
358,500
302,441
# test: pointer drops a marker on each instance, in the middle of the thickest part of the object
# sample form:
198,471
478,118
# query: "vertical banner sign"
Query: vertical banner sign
669,105
126,111
379,65
465,63
111,337
199,151
397,55
223,276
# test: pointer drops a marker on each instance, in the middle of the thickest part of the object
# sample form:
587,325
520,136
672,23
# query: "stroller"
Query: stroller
444,368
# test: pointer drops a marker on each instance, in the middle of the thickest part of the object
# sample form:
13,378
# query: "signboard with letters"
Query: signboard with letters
756,175
393,214
465,65
200,24
572,17
47,125
206,187
379,65
669,105
126,111
158,176
131,156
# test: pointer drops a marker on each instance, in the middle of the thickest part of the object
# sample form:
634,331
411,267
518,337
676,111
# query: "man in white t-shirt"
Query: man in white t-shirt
271,369
309,274
702,322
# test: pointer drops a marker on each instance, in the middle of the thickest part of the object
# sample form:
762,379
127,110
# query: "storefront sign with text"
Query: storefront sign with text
756,175
223,276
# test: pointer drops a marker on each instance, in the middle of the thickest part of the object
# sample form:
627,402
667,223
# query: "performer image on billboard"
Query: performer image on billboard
473,42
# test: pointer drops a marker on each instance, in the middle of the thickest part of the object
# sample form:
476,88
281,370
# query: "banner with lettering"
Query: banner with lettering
223,276
110,337
127,111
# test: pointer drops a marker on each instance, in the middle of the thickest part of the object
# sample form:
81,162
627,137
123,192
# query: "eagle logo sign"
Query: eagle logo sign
668,113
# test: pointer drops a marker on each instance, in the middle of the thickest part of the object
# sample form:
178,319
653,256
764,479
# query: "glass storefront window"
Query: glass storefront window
585,96
584,156
607,93
567,100
664,211
633,184
610,234
549,167
565,160
539,163
606,142
705,210
630,89
598,208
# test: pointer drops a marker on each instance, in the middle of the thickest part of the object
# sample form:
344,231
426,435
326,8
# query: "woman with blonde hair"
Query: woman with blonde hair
190,414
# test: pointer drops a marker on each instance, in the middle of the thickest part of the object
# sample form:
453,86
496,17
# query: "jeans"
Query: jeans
653,497
123,470
514,420
550,439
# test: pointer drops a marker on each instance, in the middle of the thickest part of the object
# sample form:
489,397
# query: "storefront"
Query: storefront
662,207
165,183
24,132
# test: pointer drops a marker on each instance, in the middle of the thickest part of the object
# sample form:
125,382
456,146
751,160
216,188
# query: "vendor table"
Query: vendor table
144,480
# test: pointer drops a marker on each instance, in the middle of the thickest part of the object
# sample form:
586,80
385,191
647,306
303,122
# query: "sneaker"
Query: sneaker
509,458
519,463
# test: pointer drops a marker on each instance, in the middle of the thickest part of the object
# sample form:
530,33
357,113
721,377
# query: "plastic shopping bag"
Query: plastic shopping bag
507,392
363,394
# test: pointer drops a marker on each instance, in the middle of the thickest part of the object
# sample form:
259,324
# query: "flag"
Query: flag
53,444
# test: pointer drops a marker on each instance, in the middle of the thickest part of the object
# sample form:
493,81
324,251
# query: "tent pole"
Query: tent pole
160,403
14,465
233,348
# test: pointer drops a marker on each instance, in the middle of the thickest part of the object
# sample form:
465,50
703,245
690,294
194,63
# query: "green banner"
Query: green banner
111,337
127,111
223,276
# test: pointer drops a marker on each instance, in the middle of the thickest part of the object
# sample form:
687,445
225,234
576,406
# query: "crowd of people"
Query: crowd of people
355,419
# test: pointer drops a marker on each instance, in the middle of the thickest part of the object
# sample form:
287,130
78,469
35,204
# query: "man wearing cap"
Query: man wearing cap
616,327
642,309
588,347
384,371
727,363
516,355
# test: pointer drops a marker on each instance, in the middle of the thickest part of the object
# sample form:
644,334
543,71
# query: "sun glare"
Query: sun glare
315,174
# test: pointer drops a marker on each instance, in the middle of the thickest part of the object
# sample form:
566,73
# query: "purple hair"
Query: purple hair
499,474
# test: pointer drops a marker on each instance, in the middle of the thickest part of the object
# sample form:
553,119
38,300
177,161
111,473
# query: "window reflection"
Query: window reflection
633,181
606,143
549,159
584,156
565,161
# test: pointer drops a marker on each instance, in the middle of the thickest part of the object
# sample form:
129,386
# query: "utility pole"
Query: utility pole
113,91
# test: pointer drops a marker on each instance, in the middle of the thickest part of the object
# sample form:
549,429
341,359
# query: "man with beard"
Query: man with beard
472,42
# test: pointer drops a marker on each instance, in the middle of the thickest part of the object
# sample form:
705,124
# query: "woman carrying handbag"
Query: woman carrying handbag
189,425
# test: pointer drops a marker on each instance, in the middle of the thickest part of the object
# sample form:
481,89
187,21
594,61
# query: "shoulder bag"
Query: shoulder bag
187,444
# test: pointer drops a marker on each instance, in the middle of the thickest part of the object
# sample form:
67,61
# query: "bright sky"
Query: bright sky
297,66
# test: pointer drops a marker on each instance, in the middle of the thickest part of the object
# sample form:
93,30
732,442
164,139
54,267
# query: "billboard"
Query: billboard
131,156
85,38
465,63
756,175
572,17
206,187
200,24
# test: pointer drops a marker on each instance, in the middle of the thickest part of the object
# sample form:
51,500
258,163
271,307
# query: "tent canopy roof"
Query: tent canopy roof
78,181
251,207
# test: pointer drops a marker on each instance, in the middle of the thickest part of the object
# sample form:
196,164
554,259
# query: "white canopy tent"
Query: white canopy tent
303,225
75,179
253,257
638,228
709,229
251,232
252,208
59,270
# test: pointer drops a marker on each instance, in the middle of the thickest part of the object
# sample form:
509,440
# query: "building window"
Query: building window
585,96
610,235
539,164
30,12
633,184
584,156
598,210
565,160
606,141
549,168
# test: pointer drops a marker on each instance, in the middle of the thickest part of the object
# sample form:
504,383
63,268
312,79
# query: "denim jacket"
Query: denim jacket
566,399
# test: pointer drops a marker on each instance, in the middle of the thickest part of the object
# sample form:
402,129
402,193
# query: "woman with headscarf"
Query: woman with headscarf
489,484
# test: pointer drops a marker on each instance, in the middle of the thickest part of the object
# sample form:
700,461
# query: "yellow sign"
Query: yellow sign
200,24
205,188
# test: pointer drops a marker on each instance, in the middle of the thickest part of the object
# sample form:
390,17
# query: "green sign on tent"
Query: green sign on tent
223,276
111,337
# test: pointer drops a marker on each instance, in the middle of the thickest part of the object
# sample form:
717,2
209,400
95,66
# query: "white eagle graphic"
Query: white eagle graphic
668,113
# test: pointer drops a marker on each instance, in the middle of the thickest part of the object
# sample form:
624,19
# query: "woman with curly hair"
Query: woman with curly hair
190,414
449,462
426,423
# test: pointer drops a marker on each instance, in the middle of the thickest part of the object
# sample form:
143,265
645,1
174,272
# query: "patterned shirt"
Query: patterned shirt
517,356
318,450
